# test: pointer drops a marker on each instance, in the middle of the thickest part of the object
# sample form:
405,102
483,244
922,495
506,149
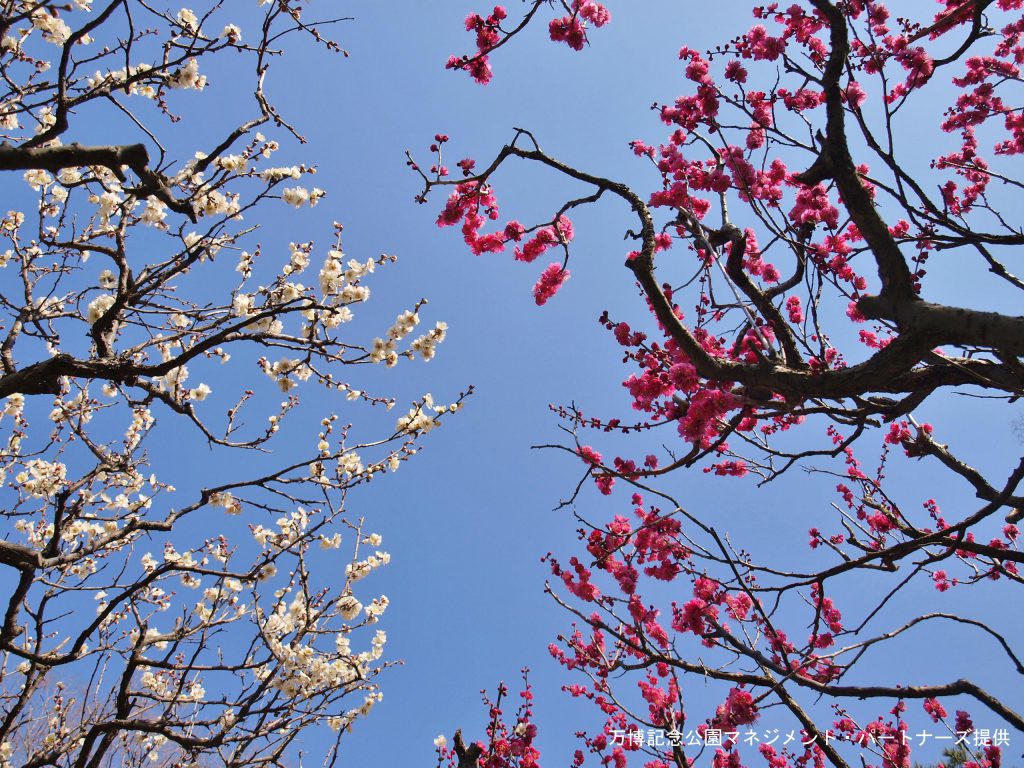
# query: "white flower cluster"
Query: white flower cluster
14,405
12,221
350,464
285,293
205,247
188,77
159,684
173,381
42,478
276,174
199,393
107,280
345,721
232,163
376,608
426,345
185,561
78,407
38,179
385,350
349,608
133,77
302,671
98,307
108,203
88,529
226,596
216,203
360,569
286,372
336,280
232,506
422,417
299,257
290,530
154,213
36,534
332,542
242,305
188,21
46,119
300,196
52,27
142,421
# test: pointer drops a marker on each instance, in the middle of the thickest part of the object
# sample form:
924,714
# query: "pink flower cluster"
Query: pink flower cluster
488,35
473,203
507,746
545,237
572,29
551,279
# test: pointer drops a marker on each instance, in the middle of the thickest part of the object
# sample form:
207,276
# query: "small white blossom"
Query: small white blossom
188,20
188,76
199,393
295,196
98,306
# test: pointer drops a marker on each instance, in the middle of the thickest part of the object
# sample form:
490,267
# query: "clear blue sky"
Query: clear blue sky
467,522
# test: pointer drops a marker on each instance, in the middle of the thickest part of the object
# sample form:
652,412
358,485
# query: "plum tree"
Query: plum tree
791,250
144,624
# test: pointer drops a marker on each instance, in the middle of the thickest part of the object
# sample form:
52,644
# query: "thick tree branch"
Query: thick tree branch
115,158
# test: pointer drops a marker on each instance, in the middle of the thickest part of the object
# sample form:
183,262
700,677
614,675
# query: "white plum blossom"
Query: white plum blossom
216,203
404,324
223,499
46,119
188,76
418,419
38,179
14,404
154,213
353,294
349,607
426,345
53,28
188,20
240,601
42,478
299,196
241,305
108,204
296,196
334,316
199,393
350,464
99,306
276,174
233,163
299,258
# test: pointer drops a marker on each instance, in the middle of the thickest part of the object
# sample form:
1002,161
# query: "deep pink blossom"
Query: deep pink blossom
551,279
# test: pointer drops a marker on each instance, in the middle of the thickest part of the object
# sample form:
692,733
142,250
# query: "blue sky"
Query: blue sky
468,521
